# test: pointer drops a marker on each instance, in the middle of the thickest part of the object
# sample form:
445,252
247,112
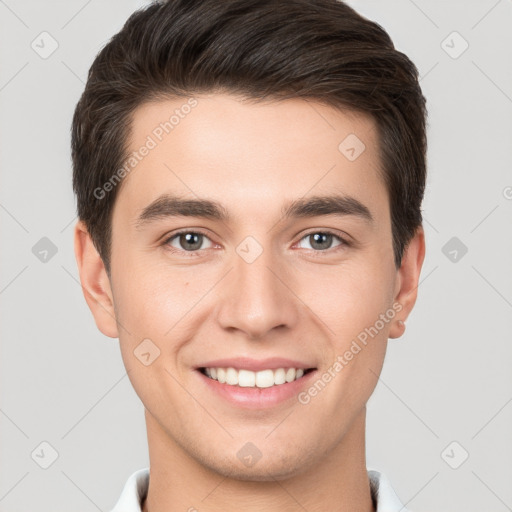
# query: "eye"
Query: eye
191,242
322,240
187,241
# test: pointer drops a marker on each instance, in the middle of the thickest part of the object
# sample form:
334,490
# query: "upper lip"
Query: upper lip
255,365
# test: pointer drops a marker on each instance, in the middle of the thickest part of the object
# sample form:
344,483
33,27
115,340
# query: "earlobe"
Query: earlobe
407,281
95,282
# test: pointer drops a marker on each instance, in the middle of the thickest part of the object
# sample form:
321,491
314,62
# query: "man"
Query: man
249,177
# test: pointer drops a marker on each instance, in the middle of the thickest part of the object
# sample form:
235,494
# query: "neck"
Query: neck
337,482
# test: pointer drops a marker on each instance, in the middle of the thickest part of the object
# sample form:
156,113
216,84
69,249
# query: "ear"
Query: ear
407,280
95,282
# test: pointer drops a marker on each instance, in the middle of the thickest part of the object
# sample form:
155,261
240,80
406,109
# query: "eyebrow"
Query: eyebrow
168,205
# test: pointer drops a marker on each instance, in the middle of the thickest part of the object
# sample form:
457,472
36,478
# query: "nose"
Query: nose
258,297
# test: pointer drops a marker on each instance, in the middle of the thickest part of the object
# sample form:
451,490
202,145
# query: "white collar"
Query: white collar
137,484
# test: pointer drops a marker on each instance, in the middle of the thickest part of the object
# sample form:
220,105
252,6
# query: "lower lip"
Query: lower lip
258,398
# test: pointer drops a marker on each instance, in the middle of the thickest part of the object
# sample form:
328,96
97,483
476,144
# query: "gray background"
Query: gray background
446,387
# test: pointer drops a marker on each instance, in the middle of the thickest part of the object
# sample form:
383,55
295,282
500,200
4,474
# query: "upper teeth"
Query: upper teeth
249,379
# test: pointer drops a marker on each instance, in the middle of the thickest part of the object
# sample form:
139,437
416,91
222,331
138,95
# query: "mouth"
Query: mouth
243,378
257,384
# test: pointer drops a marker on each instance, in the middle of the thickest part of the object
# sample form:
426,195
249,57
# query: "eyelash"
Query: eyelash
344,243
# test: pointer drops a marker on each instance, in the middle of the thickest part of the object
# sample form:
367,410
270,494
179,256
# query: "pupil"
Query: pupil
189,240
321,239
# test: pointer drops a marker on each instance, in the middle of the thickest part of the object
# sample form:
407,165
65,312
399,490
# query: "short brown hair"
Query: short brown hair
260,49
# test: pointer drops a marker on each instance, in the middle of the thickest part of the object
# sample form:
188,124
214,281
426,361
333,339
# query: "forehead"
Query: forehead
243,152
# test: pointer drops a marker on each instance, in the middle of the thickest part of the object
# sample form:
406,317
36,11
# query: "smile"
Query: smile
260,379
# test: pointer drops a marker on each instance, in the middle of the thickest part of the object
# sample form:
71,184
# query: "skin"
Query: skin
293,301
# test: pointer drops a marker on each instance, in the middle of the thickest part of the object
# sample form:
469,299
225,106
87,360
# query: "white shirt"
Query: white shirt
137,484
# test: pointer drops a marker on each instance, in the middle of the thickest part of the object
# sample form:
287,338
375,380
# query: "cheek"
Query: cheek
153,307
351,304
152,301
349,299
163,306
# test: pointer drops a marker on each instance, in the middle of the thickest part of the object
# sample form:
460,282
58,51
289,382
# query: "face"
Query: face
264,276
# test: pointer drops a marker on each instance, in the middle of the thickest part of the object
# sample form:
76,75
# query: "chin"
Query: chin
263,470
